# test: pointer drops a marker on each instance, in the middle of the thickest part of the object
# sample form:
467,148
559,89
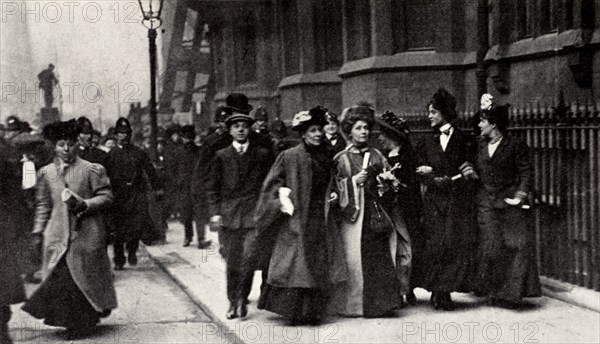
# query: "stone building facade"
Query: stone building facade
288,55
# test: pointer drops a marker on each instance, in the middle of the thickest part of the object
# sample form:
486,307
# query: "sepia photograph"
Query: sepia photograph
299,171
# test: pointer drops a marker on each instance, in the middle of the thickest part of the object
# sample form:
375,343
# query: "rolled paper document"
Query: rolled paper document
456,177
29,175
366,160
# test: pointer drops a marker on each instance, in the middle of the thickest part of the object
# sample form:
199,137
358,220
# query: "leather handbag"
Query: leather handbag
380,220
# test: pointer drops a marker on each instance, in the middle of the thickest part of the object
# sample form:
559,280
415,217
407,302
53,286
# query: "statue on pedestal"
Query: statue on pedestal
47,82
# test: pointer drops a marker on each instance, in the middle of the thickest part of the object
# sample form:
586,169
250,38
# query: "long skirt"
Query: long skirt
61,303
295,303
507,264
372,289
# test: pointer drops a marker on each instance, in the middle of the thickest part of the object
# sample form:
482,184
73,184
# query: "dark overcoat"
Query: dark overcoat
126,166
234,184
505,228
449,215
288,266
11,208
80,240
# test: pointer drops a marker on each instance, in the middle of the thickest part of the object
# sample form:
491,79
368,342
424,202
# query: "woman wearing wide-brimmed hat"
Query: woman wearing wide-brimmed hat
397,147
77,287
448,205
293,209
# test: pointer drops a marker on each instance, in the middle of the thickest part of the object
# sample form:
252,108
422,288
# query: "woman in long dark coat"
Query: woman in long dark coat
305,263
402,158
448,206
77,287
367,225
11,208
507,269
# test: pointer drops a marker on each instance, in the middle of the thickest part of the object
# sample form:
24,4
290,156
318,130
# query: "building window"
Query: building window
245,51
421,23
416,28
358,28
189,28
327,19
538,17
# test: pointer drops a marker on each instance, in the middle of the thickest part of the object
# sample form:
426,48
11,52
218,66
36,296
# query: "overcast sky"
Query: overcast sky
100,50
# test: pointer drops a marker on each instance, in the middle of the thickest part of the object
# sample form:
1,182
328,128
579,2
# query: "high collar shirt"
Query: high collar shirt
445,138
240,147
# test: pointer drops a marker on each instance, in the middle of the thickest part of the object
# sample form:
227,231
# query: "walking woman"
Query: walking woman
402,158
293,208
77,287
372,289
508,269
446,262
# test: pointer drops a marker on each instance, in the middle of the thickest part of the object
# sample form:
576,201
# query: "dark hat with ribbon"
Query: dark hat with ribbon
86,125
221,114
123,126
188,131
304,119
261,114
237,102
393,126
332,117
57,131
173,129
13,123
498,115
277,127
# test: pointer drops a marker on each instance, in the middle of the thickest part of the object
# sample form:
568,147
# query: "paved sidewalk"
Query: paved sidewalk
201,274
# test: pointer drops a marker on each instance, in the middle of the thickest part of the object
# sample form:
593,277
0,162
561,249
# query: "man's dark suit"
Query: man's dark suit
233,189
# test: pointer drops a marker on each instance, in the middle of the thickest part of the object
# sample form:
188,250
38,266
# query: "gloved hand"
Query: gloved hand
78,207
467,171
286,203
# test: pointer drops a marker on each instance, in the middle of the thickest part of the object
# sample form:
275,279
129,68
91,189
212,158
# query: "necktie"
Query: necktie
241,150
445,132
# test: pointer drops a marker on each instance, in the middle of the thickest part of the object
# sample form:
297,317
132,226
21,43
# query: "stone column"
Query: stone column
381,27
306,36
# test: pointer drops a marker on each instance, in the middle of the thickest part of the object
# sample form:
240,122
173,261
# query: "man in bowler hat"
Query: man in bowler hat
234,183
126,167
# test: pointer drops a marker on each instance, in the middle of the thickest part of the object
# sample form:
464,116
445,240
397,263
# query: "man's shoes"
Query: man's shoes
231,313
204,244
411,299
119,267
187,242
132,259
242,308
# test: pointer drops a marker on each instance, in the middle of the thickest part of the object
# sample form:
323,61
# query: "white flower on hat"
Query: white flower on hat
486,101
300,117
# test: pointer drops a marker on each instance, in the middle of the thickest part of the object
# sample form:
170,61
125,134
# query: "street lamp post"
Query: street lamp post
151,11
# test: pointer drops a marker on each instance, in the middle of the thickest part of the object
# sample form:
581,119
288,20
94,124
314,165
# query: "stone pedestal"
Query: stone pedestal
49,115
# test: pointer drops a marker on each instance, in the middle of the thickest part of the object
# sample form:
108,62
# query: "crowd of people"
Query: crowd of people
340,222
